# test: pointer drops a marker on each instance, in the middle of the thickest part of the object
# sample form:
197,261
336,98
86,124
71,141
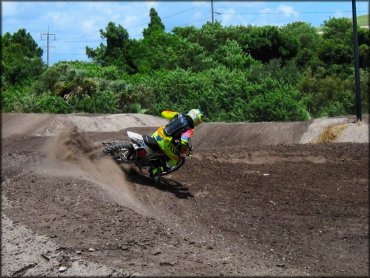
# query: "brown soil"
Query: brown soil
241,209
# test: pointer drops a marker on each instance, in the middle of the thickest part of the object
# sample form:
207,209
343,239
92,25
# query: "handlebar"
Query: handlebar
177,143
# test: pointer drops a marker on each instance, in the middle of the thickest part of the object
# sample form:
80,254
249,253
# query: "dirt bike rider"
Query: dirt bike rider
180,129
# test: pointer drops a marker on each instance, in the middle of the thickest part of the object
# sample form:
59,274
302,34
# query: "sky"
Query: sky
73,25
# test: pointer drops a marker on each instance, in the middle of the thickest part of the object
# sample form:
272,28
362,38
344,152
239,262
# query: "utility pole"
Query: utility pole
213,17
357,63
47,44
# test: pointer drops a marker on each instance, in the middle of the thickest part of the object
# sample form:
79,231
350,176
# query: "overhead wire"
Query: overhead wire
79,39
69,54
186,24
168,16
313,12
75,39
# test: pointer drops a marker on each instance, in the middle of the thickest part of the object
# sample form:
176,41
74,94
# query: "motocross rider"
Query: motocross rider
180,129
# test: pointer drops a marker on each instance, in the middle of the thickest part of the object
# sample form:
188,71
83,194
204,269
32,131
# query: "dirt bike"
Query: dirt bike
144,152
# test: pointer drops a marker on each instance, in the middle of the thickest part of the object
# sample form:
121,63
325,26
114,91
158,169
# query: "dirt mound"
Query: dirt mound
341,130
207,135
33,124
22,123
241,134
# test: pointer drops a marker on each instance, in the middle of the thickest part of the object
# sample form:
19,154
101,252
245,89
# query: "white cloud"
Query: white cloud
228,16
89,27
243,4
198,15
339,14
266,11
130,21
81,21
9,8
198,3
93,7
61,19
151,4
287,10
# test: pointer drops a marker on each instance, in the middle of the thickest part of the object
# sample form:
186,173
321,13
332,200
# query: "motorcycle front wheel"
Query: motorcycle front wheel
176,167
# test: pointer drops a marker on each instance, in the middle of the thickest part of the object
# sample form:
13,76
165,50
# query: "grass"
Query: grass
331,133
363,20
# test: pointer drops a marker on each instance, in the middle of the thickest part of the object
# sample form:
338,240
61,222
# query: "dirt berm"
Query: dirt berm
256,199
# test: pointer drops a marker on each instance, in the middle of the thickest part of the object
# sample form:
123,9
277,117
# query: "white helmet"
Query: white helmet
196,116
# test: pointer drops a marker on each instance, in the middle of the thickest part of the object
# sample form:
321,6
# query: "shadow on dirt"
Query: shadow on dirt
174,187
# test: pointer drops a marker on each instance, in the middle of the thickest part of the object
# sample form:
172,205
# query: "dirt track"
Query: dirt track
250,207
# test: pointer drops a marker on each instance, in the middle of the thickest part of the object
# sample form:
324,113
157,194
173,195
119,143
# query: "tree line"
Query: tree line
231,73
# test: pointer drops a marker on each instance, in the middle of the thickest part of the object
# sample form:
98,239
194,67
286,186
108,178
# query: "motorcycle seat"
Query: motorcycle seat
151,143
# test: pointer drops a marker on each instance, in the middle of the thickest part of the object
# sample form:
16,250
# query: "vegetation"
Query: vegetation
231,73
363,20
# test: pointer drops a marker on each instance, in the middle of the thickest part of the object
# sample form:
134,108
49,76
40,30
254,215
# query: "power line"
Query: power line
80,41
192,8
202,19
219,13
186,24
47,44
212,11
168,16
79,37
75,39
69,54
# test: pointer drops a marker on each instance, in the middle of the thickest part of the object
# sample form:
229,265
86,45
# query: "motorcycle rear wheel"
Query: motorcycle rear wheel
121,152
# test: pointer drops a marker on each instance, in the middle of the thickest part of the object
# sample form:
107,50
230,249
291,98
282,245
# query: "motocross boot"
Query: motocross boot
155,173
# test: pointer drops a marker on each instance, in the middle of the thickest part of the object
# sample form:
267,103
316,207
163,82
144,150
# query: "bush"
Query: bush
94,70
18,99
101,102
48,103
329,96
223,95
278,102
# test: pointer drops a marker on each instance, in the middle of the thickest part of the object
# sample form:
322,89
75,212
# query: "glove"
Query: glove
185,150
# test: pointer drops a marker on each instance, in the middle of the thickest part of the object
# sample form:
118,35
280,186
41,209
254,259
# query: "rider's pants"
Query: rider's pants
165,143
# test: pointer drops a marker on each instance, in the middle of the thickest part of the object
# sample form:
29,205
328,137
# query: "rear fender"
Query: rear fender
138,141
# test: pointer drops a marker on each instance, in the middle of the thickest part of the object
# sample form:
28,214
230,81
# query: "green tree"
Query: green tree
336,49
364,47
64,80
232,56
209,36
329,96
116,52
277,102
155,24
189,33
268,42
337,29
307,40
21,57
305,34
332,52
155,51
